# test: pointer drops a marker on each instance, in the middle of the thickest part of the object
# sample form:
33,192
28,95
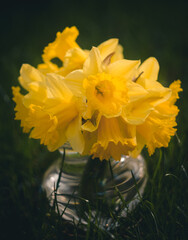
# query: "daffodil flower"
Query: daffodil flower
49,111
158,127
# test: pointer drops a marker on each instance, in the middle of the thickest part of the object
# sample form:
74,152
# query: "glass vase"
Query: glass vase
83,189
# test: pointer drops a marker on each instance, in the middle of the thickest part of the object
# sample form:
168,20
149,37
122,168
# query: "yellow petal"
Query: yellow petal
108,47
37,94
135,115
74,81
135,91
157,96
124,68
149,84
29,74
156,92
74,135
150,69
118,55
93,63
57,88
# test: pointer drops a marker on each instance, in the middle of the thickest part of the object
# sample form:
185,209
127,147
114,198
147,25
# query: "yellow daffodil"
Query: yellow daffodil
158,128
49,109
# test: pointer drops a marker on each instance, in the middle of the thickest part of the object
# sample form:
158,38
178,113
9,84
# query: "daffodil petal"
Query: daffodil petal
29,74
108,47
135,91
93,63
37,94
156,97
118,55
74,81
156,92
74,135
125,68
150,69
137,115
57,88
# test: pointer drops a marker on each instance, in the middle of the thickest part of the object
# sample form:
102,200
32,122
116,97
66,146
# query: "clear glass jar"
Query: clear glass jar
83,188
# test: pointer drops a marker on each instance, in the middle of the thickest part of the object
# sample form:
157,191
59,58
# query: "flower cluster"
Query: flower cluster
102,104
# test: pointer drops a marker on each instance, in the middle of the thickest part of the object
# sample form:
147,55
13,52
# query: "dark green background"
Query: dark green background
145,28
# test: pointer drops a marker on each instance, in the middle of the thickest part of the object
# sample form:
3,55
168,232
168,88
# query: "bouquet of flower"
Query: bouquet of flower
102,104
